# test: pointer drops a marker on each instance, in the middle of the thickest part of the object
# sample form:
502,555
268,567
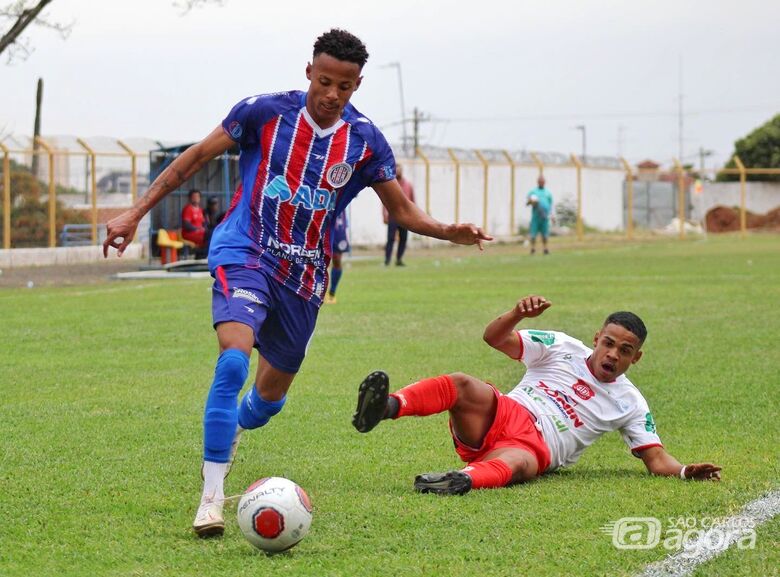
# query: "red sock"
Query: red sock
488,474
426,397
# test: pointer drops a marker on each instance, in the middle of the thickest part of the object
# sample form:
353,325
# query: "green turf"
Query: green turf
102,391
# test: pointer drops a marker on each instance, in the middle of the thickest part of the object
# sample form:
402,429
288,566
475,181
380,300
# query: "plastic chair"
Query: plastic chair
190,248
168,246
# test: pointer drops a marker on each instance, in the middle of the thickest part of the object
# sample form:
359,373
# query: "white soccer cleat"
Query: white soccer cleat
209,520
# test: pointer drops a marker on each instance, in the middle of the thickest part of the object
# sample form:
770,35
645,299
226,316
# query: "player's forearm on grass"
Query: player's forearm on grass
661,463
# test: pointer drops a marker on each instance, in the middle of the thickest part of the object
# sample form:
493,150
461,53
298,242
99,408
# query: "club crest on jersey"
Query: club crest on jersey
235,129
338,175
583,390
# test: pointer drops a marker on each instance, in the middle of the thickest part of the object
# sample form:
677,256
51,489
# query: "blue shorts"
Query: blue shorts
540,226
282,321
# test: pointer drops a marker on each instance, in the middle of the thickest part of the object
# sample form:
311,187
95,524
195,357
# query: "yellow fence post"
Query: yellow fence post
6,196
511,162
133,176
680,196
52,193
92,157
578,166
427,162
742,196
457,184
629,199
485,170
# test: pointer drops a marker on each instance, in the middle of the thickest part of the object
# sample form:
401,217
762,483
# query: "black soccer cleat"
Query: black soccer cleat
449,483
372,401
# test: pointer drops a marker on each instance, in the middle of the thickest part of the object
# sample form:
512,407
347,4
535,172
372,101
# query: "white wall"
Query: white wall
760,197
602,197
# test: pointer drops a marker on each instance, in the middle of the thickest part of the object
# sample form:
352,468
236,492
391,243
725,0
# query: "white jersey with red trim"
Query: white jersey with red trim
574,408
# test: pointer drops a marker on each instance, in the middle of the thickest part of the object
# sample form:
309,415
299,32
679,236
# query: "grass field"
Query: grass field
102,391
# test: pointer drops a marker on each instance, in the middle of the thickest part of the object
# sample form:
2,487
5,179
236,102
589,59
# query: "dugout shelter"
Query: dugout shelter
218,179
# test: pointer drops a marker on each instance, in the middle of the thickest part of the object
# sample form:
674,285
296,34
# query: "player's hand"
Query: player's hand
532,306
702,472
468,234
120,231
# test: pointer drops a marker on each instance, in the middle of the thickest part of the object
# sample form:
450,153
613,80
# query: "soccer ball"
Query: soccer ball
274,514
533,199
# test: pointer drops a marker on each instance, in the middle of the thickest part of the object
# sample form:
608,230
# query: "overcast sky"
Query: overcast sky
491,74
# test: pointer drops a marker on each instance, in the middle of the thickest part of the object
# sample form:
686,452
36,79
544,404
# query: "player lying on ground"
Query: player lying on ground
569,397
304,156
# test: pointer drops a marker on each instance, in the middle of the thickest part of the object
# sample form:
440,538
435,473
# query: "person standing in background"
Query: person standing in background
339,245
393,226
541,201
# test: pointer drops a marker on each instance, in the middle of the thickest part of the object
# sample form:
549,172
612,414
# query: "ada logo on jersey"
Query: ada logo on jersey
583,390
338,175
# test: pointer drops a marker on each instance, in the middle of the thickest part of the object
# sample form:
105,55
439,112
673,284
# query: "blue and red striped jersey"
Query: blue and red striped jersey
295,177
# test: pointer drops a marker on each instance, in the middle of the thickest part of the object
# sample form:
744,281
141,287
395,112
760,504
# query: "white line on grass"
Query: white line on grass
717,539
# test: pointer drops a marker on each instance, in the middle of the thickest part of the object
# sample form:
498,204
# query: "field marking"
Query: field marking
681,564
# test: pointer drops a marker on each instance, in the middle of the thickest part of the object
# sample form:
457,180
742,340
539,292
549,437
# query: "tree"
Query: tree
759,149
21,13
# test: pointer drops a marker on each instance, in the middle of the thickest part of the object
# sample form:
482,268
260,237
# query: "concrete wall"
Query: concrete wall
20,257
760,197
602,197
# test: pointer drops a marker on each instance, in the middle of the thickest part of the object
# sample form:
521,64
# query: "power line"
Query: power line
624,114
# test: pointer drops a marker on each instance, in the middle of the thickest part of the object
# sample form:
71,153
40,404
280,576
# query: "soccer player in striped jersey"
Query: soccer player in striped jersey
340,244
304,157
569,396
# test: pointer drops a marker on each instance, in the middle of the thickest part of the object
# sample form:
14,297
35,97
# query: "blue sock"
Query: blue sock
335,277
221,415
254,411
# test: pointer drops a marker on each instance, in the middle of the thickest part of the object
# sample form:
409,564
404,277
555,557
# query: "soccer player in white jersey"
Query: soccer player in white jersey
569,396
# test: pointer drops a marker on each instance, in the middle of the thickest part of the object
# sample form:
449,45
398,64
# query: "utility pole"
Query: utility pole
702,155
397,66
680,153
416,120
37,128
584,143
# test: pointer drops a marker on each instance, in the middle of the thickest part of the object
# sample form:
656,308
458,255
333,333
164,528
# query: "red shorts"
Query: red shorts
513,427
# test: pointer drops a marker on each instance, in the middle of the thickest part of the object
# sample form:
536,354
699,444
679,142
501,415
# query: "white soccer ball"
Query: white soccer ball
274,514
533,199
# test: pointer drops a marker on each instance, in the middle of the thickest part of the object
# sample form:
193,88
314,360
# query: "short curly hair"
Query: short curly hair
342,45
628,321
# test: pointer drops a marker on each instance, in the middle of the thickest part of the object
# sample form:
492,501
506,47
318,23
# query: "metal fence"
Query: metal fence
487,187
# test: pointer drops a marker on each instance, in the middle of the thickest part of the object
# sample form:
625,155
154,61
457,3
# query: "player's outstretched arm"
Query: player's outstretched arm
120,230
410,216
500,333
661,463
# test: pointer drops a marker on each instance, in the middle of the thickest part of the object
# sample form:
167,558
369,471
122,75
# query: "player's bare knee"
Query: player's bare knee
473,394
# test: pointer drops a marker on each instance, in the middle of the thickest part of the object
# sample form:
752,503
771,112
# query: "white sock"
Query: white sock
213,481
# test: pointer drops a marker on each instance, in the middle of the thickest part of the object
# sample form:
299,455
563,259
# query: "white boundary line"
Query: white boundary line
733,528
